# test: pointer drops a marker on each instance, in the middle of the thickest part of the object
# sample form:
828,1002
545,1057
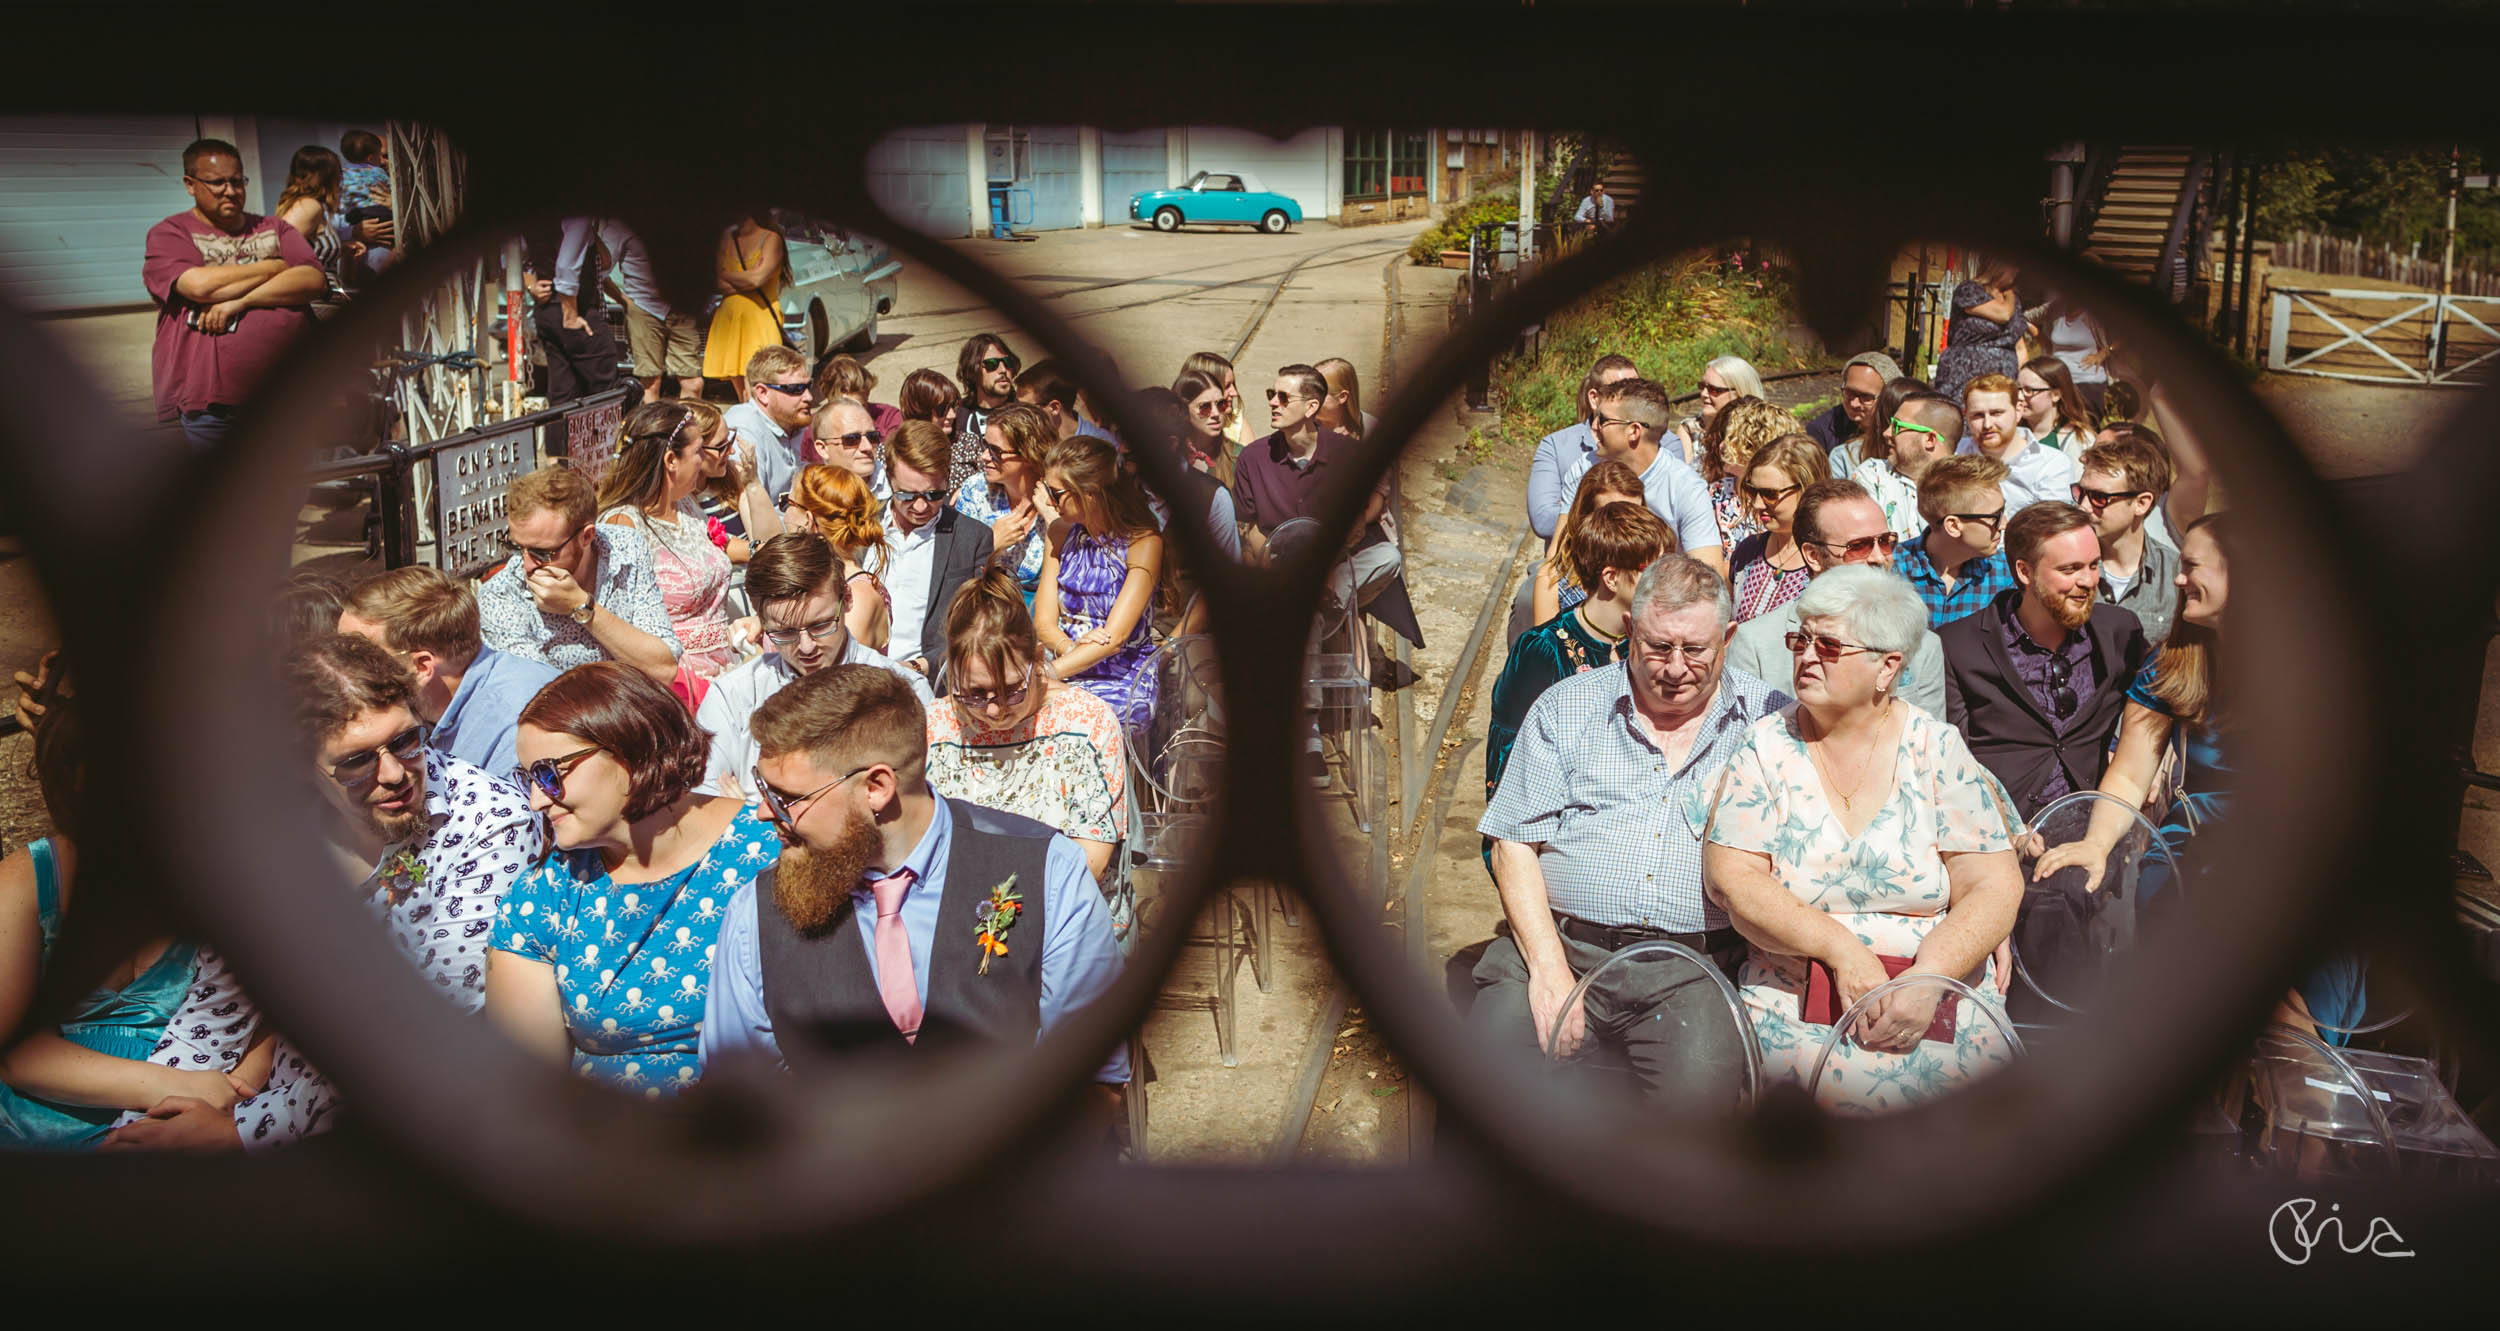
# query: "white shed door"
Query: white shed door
77,196
1297,167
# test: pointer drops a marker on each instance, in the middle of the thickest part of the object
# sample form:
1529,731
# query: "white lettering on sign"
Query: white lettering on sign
469,484
590,438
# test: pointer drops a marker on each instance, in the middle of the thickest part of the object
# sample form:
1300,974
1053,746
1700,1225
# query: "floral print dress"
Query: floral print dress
1735,519
1066,767
693,574
1887,885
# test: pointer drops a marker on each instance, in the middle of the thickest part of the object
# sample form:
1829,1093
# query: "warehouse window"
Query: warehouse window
1381,164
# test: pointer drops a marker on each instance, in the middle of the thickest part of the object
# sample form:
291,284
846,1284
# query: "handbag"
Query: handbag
1820,1005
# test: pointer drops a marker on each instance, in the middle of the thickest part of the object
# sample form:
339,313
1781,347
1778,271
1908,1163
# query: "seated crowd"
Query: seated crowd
839,683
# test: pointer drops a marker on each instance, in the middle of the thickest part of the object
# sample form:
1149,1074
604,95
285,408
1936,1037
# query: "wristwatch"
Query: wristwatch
582,616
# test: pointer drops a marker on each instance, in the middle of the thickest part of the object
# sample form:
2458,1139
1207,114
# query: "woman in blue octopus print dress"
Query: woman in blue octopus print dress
602,956
1856,833
1095,609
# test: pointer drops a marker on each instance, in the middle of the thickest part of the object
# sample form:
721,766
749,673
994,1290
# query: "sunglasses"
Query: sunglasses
822,630
1215,408
1057,495
855,438
1768,498
1864,545
358,769
546,556
1713,390
2101,499
994,362
1274,396
779,806
1602,420
982,698
2062,693
790,390
992,453
1994,520
920,496
1826,649
1900,424
548,773
1853,395
719,450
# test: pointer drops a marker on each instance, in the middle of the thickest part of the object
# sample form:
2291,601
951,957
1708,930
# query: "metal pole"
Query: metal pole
2248,256
2062,162
1527,203
512,327
2447,262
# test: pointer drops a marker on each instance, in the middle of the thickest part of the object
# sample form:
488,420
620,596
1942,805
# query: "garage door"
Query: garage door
77,196
1057,182
1133,161
1297,167
918,175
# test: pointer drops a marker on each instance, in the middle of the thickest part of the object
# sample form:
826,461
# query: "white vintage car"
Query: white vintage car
835,285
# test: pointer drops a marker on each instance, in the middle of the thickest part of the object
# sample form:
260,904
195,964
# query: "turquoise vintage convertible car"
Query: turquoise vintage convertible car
1211,197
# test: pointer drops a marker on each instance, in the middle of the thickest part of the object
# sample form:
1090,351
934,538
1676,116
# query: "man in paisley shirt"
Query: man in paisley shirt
432,845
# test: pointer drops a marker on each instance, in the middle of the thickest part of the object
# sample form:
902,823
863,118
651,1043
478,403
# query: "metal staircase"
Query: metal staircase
2143,208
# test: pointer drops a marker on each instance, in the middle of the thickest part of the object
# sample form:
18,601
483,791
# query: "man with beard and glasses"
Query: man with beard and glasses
431,843
895,915
2036,678
795,582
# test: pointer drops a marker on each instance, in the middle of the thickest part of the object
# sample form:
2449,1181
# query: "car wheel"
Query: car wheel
1274,223
865,339
1167,218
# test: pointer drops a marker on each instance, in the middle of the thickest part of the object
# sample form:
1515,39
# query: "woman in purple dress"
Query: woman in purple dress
1101,569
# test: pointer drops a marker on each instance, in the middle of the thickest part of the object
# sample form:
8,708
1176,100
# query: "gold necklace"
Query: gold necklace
1866,765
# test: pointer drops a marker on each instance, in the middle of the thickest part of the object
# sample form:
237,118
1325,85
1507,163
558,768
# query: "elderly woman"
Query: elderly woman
1856,834
1009,737
1724,380
602,959
1767,569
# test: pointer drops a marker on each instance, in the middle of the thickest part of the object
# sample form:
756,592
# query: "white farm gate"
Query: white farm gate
2389,337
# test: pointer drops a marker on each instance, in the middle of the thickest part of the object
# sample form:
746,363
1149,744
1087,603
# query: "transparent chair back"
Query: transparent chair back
1661,1027
2067,939
2314,1112
1178,749
1851,1074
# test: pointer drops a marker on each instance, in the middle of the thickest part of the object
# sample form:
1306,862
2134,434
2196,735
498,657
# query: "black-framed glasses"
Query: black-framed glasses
854,438
1057,495
800,389
822,630
2101,499
2026,390
719,450
237,184
920,496
2061,686
978,699
1274,397
779,806
1601,420
994,362
546,556
1994,520
1768,498
358,769
1827,649
1864,545
548,774
1853,395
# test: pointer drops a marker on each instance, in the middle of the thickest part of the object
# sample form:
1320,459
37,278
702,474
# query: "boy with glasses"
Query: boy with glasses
780,399
574,591
2121,487
232,290
1953,564
1837,523
795,581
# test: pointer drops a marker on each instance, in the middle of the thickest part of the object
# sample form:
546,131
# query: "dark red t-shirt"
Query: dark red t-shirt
194,369
1268,490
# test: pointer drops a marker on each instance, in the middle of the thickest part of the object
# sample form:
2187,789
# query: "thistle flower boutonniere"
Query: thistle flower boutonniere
402,873
1006,904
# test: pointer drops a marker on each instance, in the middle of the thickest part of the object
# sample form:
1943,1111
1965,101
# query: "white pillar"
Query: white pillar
1089,175
977,178
1176,156
1332,183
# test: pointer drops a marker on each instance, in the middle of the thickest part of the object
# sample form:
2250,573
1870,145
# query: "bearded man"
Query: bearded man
2036,679
894,916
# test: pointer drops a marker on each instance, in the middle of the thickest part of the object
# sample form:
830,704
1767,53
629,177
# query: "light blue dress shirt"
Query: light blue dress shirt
478,723
1079,958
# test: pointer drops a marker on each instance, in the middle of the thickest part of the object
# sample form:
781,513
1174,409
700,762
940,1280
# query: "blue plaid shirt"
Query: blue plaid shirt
1976,582
1618,835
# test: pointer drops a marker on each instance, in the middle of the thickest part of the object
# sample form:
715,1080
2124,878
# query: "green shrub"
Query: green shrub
1498,204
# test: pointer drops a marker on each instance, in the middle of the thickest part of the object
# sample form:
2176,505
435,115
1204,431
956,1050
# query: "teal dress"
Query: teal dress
125,1023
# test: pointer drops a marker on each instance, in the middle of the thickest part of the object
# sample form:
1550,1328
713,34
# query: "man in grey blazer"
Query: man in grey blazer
1838,522
932,550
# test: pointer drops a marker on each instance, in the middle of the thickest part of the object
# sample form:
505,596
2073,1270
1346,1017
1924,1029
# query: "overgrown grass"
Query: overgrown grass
1671,318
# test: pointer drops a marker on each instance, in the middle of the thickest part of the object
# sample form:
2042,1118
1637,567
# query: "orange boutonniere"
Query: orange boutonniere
1006,905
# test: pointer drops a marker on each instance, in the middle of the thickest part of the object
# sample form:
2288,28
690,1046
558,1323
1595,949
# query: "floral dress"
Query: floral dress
1758,587
1887,885
1975,346
1091,573
633,962
1066,767
693,574
985,503
1735,520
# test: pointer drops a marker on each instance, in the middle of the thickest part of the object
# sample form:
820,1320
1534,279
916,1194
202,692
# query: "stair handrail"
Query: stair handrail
2100,162
2166,276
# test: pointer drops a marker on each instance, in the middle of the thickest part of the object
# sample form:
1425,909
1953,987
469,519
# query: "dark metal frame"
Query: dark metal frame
465,1157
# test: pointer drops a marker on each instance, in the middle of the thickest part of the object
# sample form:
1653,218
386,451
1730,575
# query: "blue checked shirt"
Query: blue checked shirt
1977,581
1618,835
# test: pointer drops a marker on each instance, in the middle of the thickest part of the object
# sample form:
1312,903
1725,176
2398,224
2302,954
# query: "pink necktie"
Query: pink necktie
895,981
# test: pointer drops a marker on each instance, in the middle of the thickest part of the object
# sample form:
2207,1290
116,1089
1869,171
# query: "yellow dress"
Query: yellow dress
746,322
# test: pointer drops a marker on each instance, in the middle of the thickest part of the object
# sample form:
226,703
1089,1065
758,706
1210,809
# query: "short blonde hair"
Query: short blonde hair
559,489
772,362
420,609
1953,484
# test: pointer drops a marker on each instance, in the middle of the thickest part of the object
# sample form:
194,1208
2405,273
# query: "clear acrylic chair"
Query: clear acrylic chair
1662,1021
1906,1077
2067,940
